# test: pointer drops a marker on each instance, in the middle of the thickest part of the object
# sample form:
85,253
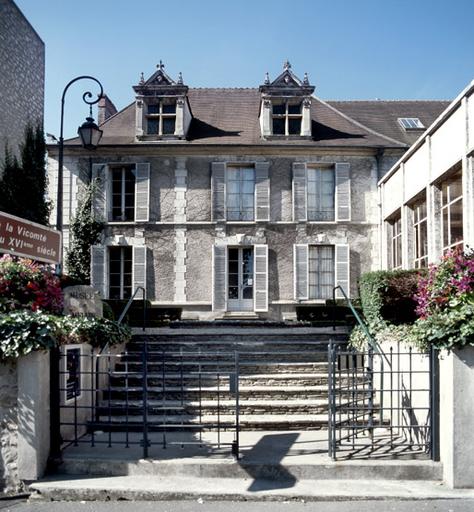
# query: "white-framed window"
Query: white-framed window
161,117
240,190
120,272
123,179
72,373
395,241
321,277
420,232
286,117
451,212
321,193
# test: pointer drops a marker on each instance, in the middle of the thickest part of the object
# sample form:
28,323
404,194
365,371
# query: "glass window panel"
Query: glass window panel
294,109
114,279
233,279
278,126
279,109
116,213
116,186
127,255
169,108
247,201
233,201
153,109
294,126
233,267
114,266
248,187
233,292
456,222
247,174
169,125
233,254
127,280
129,200
129,214
455,189
153,126
127,293
114,292
247,292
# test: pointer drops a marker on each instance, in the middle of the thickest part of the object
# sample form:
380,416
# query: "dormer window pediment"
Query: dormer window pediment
162,108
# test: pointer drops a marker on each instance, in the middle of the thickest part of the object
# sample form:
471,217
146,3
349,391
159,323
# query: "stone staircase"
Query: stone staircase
282,380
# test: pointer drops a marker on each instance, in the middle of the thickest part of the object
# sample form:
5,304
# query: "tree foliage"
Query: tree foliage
84,232
24,182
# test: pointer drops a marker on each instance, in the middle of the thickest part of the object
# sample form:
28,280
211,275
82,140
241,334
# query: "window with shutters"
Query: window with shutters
240,192
123,192
420,229
286,117
321,192
120,272
161,117
321,271
451,212
395,241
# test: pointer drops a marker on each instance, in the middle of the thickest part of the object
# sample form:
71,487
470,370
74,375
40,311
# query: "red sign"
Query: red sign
20,237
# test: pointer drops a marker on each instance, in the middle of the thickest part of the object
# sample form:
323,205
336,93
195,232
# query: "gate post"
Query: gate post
332,402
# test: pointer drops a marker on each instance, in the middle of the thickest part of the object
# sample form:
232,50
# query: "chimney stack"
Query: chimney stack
106,109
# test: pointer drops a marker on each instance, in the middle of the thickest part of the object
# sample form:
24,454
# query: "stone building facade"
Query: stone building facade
427,198
238,202
21,77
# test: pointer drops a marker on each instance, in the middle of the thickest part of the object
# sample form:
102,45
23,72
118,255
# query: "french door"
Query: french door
240,279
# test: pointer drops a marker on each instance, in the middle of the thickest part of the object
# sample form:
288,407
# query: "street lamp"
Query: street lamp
90,135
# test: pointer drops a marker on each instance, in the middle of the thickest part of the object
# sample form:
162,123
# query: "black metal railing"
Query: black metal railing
381,402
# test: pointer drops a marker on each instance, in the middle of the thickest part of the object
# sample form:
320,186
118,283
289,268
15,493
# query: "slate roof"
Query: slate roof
230,117
382,115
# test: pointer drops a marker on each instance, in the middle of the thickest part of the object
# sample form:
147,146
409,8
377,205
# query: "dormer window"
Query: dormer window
162,110
411,123
161,118
286,118
285,109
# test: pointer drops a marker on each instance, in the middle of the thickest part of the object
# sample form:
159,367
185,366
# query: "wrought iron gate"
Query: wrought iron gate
382,404
147,397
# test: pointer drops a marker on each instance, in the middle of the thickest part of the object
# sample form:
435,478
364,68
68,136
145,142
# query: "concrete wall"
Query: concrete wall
22,76
457,417
24,413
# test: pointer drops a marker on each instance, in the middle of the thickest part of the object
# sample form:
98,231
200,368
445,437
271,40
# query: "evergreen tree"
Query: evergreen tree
84,232
23,186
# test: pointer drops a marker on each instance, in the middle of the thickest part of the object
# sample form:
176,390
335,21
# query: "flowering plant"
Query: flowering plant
445,301
28,285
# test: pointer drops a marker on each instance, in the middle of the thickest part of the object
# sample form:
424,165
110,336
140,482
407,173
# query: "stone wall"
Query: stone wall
22,76
8,426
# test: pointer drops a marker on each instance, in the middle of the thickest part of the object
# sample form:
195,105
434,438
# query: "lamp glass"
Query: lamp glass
90,134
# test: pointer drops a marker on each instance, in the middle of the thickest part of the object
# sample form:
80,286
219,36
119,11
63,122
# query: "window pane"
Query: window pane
294,126
233,292
294,109
153,109
445,228
169,108
247,292
247,174
278,126
233,254
279,109
456,222
455,189
168,125
233,279
153,126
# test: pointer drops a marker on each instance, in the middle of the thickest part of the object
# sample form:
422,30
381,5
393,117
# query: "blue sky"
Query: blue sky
351,49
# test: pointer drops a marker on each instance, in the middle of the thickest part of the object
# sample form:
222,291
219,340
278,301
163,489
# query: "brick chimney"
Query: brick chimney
106,109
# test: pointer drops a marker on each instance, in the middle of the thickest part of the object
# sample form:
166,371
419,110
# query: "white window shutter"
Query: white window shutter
342,270
218,190
299,192
139,269
98,269
99,177
262,191
300,272
261,277
142,192
343,192
219,278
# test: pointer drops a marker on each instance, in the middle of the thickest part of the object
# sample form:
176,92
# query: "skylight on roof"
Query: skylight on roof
411,123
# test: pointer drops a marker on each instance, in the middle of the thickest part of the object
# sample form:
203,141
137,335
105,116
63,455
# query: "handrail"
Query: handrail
129,303
372,342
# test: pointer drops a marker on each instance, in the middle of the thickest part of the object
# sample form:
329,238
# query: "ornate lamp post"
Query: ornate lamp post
90,135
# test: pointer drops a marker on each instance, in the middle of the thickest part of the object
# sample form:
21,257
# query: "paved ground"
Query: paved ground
462,505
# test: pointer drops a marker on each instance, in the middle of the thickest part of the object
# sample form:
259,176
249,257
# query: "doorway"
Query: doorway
240,279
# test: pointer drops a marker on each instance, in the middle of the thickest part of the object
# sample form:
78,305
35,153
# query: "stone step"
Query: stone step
158,422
